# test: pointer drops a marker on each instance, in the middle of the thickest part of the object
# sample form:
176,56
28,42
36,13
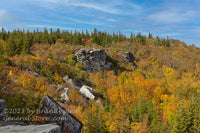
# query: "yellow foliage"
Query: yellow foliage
10,73
58,79
168,106
48,59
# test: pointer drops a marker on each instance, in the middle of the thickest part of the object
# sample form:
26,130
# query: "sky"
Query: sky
177,19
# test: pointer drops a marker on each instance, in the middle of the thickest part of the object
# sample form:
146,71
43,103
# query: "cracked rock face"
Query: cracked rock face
56,114
129,57
92,59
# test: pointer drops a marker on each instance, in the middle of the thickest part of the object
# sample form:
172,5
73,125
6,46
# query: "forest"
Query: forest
159,92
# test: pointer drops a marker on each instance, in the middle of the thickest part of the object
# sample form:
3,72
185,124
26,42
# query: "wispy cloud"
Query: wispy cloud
86,22
99,7
6,17
172,16
111,7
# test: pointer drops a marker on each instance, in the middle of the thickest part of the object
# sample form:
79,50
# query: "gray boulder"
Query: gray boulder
87,91
46,128
65,96
70,82
66,78
65,93
92,59
128,56
36,74
56,114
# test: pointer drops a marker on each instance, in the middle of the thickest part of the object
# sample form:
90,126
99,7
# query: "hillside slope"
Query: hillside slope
157,91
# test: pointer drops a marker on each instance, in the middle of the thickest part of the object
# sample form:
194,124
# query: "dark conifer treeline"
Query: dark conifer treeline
19,42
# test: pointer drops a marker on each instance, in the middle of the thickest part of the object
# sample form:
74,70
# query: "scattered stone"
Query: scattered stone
65,93
66,78
60,88
65,96
29,71
87,91
70,82
92,59
36,74
129,56
56,114
46,128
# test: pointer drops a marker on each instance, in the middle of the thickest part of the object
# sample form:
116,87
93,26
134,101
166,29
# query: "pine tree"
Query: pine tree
26,44
10,46
131,38
167,42
150,35
79,39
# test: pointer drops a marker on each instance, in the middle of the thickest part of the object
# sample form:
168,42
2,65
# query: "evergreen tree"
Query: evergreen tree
3,34
167,44
57,34
10,46
26,44
131,38
87,36
74,40
150,35
45,36
79,39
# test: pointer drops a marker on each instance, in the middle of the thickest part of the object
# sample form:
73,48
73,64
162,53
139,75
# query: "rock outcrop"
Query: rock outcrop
56,114
92,59
87,92
46,128
128,56
20,127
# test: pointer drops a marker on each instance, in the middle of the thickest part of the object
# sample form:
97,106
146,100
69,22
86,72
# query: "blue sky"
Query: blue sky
178,19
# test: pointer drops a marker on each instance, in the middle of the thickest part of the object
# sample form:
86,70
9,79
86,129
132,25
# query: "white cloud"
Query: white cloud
99,7
52,1
111,7
172,16
6,17
86,22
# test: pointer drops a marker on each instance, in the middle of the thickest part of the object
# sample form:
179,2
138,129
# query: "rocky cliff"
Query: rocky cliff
93,59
